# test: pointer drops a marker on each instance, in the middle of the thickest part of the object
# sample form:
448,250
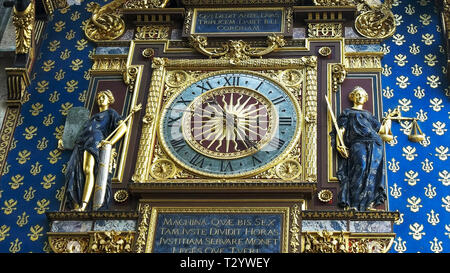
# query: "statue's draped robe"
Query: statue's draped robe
99,126
361,175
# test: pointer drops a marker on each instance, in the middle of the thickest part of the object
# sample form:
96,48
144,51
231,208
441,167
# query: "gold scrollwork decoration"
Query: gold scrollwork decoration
111,242
375,20
106,22
236,51
69,243
24,23
138,4
324,242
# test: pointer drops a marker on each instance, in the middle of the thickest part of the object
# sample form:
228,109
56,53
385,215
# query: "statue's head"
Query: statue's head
104,95
358,95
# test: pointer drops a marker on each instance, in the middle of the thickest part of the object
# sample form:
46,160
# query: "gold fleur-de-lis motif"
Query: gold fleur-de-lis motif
442,152
398,19
411,177
428,39
386,70
446,203
81,44
427,165
400,59
416,231
60,193
16,181
36,168
439,128
409,153
400,220
388,92
402,82
53,45
9,206
23,156
42,144
54,156
436,104
48,120
49,180
414,203
444,177
410,10
70,34
30,132
395,191
416,70
59,26
393,142
76,64
430,59
54,97
71,86
425,19
414,49
433,81
48,65
447,227
405,104
36,108
398,39
419,92
75,16
82,96
430,191
42,206
59,75
29,194
65,54
15,246
385,49
393,165
42,86
22,220
59,132
436,245
87,75
65,108
400,245
4,229
423,3
421,115
425,142
35,232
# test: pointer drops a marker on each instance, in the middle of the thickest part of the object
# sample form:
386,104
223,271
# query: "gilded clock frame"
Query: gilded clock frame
162,89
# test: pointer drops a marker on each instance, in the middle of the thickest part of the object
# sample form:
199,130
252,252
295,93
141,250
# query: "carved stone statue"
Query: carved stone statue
102,129
361,170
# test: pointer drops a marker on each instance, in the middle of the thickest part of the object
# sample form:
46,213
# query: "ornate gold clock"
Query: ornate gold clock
230,124
218,120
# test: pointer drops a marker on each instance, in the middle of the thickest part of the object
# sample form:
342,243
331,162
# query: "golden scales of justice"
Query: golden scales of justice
416,134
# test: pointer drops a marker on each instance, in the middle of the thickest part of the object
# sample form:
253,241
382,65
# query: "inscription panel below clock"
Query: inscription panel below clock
230,124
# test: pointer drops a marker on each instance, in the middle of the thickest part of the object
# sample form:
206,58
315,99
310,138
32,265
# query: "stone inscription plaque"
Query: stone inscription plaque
218,232
238,21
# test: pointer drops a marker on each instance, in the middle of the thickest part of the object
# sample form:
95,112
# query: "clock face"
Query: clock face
230,124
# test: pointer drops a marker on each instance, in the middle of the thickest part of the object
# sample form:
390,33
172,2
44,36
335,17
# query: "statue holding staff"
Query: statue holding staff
102,130
359,140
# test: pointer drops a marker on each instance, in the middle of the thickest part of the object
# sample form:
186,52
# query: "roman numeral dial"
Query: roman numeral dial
230,124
